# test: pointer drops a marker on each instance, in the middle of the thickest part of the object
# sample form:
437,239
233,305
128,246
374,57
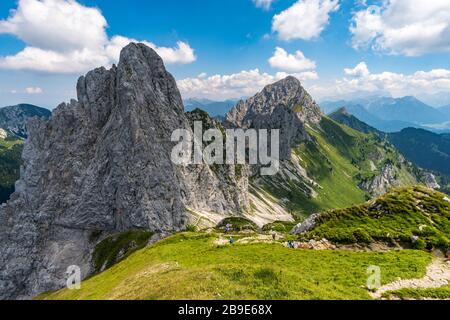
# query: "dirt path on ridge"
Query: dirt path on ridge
438,275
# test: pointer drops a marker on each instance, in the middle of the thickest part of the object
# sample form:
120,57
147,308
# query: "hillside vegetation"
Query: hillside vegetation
426,149
415,217
338,160
423,148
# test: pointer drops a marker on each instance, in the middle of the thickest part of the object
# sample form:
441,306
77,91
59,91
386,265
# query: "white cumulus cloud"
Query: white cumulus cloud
291,62
403,27
361,70
360,80
241,84
181,54
63,36
305,19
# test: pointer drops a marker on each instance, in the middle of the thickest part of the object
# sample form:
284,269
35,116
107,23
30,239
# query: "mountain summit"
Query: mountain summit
284,105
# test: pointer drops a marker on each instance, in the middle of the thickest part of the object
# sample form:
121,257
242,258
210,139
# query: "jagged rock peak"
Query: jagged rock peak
284,105
287,94
289,84
138,52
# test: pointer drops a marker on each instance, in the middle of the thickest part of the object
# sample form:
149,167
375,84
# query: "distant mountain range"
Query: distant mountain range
425,149
408,109
392,115
343,116
383,113
214,108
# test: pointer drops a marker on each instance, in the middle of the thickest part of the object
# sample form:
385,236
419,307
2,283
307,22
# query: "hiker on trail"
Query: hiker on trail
231,240
274,236
448,254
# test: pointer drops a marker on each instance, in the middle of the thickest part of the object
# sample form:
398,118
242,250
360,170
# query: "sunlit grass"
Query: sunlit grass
191,266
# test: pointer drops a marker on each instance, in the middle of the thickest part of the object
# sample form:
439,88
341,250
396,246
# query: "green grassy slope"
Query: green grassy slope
10,161
418,294
425,149
338,159
397,217
192,266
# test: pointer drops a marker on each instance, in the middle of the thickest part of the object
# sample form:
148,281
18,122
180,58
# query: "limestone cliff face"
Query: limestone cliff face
287,106
383,182
102,164
284,105
221,189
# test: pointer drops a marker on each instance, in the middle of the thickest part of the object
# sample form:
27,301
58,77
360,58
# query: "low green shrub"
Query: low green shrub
237,224
117,247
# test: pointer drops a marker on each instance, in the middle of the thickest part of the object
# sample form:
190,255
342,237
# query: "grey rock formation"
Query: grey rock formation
307,225
3,134
15,118
381,183
284,105
218,188
102,164
430,181
287,106
390,176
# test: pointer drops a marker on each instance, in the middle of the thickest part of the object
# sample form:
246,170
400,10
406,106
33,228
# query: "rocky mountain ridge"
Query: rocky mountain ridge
318,155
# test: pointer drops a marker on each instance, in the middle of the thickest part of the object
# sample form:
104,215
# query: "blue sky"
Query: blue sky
226,41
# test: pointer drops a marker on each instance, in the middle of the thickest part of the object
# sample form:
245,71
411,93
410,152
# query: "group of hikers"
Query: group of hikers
291,243
229,227
274,237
